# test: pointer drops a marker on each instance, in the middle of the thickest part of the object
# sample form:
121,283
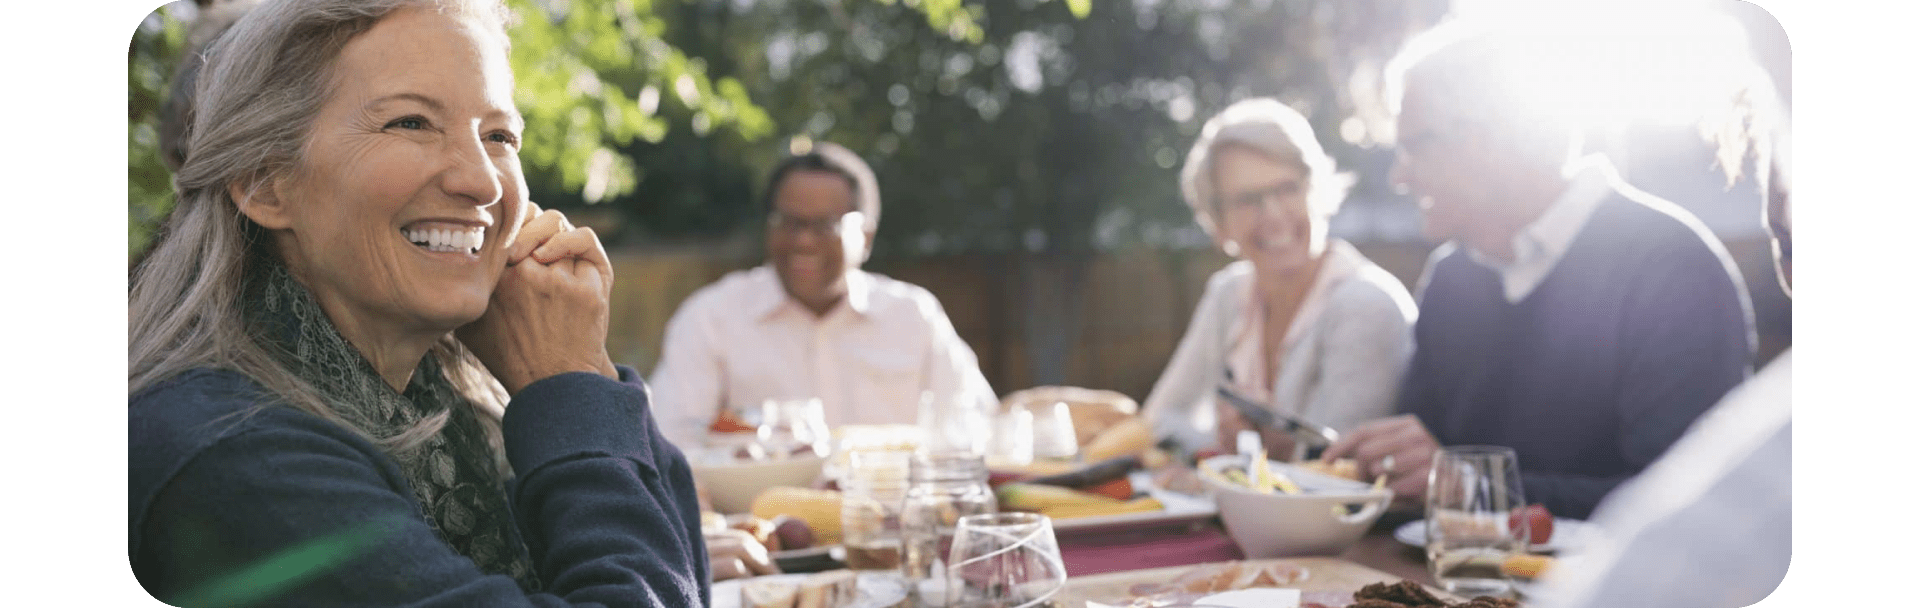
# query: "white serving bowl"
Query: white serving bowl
1314,522
732,485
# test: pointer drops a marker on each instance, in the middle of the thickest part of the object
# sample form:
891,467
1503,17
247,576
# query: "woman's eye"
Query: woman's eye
409,123
503,137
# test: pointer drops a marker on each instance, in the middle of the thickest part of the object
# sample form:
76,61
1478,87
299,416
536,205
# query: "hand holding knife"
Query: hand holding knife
1317,437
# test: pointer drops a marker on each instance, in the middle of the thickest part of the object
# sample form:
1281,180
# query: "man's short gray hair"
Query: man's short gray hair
1265,125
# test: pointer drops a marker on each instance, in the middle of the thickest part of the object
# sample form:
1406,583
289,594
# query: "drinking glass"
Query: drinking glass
1012,438
790,427
1004,560
1053,435
1471,490
871,496
946,487
952,423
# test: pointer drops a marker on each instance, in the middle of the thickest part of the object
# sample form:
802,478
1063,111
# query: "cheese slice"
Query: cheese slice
830,589
758,593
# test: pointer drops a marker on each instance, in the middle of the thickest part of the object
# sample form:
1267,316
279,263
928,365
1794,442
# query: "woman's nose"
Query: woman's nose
470,173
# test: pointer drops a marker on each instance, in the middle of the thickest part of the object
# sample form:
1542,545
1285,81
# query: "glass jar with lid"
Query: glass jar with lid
945,487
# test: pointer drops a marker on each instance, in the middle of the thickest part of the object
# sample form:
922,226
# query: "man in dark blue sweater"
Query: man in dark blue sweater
1573,318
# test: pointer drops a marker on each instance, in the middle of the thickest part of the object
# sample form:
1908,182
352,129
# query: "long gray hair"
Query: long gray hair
255,102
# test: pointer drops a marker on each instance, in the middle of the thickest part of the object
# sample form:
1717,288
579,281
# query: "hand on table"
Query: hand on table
733,553
1399,447
548,314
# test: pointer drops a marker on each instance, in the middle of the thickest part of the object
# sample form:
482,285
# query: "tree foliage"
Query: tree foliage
155,48
1054,126
597,80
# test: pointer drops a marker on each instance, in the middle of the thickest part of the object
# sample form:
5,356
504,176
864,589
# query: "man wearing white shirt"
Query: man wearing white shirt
809,323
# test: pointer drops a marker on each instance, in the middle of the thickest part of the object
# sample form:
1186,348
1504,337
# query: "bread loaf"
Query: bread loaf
1129,436
1092,410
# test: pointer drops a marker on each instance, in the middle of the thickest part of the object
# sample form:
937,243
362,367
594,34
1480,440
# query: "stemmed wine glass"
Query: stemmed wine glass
1004,560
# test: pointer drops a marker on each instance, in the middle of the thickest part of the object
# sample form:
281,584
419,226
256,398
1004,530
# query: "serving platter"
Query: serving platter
1569,535
1179,508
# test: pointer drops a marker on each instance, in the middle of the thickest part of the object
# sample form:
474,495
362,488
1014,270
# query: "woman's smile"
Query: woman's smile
444,237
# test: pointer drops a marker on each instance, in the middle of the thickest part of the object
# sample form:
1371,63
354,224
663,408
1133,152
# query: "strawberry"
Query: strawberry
1537,521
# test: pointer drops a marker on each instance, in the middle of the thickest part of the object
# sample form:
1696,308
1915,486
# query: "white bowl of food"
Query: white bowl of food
1325,517
731,483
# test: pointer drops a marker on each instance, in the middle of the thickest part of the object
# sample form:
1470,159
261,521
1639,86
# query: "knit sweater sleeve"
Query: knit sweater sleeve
1186,386
286,509
1364,356
1689,342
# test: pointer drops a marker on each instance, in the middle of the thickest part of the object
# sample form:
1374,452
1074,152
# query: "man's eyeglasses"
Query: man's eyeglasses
823,227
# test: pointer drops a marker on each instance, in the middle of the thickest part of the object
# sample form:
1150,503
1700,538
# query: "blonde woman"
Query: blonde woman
362,368
1300,322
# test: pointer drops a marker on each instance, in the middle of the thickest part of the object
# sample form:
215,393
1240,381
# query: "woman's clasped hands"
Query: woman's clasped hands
548,315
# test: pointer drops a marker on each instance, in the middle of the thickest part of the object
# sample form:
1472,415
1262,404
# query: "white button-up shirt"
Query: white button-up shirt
1538,246
743,340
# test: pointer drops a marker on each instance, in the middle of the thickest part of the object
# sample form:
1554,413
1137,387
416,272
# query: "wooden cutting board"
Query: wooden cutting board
1324,574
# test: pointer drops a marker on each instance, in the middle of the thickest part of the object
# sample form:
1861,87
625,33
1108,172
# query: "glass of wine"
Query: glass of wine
1004,560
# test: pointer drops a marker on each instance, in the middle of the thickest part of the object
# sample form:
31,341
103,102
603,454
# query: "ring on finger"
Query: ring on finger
1385,466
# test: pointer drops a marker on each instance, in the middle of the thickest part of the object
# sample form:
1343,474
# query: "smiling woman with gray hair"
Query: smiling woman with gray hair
363,369
1302,322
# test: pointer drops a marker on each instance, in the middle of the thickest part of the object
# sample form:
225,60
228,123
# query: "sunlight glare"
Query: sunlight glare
1648,63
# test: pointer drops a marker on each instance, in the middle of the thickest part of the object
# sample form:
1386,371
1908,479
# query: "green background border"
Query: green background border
66,432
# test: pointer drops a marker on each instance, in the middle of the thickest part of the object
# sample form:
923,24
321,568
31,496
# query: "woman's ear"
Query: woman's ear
866,246
259,199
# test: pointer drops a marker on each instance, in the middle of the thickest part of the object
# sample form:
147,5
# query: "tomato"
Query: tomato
1536,519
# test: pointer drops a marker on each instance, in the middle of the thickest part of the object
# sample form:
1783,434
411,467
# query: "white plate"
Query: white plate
875,590
1176,508
1568,535
1259,597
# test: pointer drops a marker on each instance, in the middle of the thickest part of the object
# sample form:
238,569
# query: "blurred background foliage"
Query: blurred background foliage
1048,126
1023,139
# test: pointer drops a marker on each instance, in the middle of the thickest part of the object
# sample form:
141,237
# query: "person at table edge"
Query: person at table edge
1570,316
810,322
1305,323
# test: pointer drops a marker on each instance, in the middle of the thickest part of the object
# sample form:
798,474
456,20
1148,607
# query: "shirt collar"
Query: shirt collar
1543,241
770,298
1555,230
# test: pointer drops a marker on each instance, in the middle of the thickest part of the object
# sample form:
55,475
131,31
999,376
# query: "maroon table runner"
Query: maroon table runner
1113,551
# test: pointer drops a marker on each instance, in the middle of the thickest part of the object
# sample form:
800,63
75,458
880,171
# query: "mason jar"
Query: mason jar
872,492
945,487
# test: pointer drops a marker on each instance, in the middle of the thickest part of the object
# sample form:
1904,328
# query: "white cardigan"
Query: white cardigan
1345,351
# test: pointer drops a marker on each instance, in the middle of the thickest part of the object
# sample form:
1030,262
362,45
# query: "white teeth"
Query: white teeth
447,241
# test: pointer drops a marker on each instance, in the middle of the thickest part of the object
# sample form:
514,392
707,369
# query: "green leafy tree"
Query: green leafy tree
156,47
597,80
1054,133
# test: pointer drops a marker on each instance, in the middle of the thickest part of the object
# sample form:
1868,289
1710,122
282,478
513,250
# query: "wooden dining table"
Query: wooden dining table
1204,541
1102,565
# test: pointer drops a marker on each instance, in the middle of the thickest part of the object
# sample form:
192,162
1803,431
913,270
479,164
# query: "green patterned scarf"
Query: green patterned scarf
461,491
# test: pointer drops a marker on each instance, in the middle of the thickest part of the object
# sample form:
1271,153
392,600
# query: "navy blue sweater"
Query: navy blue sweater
1641,326
606,506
